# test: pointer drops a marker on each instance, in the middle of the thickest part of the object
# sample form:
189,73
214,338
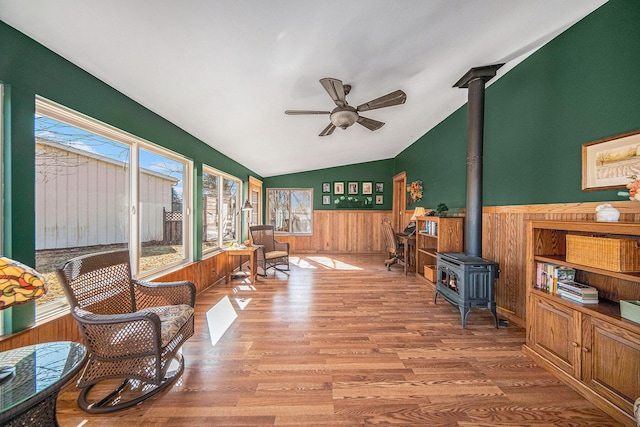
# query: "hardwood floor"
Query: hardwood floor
340,341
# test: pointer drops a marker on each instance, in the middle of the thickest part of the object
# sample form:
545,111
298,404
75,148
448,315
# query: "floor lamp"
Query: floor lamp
18,284
245,208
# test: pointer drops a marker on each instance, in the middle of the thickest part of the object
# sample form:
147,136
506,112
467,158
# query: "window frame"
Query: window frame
237,216
60,113
268,219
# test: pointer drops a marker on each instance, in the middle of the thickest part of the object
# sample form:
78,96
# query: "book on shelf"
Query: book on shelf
588,295
431,228
548,275
578,288
578,298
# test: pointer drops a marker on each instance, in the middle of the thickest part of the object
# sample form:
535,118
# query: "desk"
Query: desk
249,251
409,243
29,397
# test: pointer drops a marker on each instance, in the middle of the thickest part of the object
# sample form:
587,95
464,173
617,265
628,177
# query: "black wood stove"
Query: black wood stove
466,281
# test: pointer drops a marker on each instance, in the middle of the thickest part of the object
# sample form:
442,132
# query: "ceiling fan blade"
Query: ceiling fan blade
328,130
297,112
393,98
370,123
335,89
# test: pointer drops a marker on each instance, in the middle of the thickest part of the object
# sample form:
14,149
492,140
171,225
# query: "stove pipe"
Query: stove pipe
475,80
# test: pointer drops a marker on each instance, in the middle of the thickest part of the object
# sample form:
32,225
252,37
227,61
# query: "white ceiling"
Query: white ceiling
225,70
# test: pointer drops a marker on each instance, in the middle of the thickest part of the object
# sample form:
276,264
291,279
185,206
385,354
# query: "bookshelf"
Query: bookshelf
436,234
588,346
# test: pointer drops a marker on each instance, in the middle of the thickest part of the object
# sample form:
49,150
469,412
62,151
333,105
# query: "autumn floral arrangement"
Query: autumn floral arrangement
415,192
634,189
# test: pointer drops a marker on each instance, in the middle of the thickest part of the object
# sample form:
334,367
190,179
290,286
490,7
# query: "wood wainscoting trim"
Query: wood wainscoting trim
504,241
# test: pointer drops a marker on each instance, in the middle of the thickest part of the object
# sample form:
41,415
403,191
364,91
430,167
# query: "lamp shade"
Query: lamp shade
19,283
418,211
247,206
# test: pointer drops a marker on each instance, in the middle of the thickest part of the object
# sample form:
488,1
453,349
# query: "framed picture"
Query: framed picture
610,162
353,187
326,200
379,199
367,187
379,187
326,187
338,187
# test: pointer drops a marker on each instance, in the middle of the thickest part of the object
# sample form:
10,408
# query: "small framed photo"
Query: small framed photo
379,187
353,187
326,200
367,187
326,187
379,199
338,187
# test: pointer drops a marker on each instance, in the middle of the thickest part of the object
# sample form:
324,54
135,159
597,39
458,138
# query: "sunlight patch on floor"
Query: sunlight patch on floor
333,263
219,318
299,262
243,302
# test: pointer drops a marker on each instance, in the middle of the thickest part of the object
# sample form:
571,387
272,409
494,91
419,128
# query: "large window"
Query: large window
99,188
221,212
290,210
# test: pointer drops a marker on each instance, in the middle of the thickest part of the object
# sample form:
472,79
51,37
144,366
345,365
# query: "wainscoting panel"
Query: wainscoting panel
504,240
354,231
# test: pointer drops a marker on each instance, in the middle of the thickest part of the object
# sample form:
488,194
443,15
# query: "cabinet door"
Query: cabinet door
611,358
555,334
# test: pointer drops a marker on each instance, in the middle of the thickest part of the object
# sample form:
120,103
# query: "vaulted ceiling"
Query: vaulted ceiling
226,70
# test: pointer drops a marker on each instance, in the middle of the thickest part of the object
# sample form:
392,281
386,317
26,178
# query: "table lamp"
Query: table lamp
418,211
18,284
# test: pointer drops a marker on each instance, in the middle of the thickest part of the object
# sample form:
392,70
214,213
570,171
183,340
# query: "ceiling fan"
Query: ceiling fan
345,115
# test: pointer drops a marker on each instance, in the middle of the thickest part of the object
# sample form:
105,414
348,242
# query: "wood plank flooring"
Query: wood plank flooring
340,341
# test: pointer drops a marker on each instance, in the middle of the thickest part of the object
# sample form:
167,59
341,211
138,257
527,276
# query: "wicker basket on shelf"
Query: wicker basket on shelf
607,253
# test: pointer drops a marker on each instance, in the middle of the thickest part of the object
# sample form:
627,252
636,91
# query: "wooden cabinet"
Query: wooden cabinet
436,234
555,334
611,361
590,347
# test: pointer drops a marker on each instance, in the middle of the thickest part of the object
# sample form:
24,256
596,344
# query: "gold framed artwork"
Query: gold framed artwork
610,162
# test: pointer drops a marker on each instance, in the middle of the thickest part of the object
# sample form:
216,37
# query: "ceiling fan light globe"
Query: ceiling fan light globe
344,118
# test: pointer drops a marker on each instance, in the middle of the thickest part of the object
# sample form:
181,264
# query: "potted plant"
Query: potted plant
441,209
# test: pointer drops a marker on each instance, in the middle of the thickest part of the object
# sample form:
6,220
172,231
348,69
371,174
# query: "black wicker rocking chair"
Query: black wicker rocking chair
133,330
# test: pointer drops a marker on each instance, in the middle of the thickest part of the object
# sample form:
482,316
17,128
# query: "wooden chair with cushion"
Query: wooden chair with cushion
394,248
133,330
270,253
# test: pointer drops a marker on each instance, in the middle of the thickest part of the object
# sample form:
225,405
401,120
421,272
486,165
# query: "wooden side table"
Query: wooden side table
249,251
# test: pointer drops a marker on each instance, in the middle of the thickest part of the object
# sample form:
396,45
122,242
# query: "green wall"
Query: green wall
580,87
29,69
377,171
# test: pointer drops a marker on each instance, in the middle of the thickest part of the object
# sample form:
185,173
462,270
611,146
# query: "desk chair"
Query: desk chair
394,248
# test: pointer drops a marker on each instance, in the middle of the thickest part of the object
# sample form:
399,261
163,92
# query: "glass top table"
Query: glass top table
40,371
